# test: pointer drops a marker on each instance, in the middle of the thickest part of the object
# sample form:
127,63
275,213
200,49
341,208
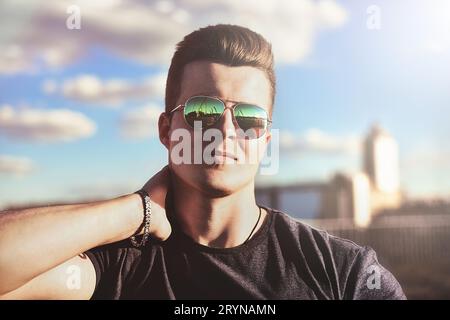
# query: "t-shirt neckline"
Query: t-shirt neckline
188,243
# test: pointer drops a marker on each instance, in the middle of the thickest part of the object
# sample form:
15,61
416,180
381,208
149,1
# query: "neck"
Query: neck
222,222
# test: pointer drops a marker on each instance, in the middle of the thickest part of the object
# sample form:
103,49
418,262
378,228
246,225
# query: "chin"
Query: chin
216,181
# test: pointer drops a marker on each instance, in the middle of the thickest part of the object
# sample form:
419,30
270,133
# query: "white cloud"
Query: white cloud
33,31
44,125
15,165
14,60
319,142
141,122
110,92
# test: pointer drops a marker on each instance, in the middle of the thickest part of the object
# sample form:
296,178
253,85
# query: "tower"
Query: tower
381,160
381,164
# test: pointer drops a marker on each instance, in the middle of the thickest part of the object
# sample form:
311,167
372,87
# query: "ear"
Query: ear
164,129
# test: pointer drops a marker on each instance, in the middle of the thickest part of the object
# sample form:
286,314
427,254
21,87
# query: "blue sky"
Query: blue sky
337,78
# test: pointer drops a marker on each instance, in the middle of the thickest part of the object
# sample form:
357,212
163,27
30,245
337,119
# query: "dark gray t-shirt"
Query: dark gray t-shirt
285,259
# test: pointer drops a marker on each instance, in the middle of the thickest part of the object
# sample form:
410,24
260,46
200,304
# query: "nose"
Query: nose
226,124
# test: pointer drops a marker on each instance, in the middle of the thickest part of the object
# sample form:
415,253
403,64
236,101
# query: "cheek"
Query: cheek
178,122
179,135
253,149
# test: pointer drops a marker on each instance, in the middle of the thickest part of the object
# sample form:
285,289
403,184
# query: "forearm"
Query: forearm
33,241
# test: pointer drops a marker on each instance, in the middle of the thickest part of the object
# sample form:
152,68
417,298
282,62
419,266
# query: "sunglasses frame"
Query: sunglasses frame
181,106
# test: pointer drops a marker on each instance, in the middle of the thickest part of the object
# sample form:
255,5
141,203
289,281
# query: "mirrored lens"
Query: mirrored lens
251,119
207,110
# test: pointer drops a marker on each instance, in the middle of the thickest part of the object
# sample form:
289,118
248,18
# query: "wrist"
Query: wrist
144,229
137,216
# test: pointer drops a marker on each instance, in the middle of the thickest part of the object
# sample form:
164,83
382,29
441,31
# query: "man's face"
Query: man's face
231,84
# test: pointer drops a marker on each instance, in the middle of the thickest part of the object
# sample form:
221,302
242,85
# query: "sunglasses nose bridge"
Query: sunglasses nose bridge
227,123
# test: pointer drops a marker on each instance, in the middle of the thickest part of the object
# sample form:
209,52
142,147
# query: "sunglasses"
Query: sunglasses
207,111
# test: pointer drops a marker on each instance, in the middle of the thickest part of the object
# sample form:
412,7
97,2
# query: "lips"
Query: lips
219,153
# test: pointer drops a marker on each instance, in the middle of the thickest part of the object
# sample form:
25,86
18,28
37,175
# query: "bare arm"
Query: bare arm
34,243
73,279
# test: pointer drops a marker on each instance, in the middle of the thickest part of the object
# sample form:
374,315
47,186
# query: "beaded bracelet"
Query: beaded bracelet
146,223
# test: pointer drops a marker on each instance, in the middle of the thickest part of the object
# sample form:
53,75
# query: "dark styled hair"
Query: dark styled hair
227,44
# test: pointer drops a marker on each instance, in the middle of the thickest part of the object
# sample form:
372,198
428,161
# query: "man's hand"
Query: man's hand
157,188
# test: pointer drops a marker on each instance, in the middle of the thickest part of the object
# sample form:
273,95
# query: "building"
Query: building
361,195
352,196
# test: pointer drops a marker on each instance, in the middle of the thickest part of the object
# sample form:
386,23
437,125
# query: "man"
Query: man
208,237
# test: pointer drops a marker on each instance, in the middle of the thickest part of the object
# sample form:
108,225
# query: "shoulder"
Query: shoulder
118,266
349,266
314,239
120,255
